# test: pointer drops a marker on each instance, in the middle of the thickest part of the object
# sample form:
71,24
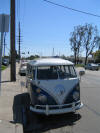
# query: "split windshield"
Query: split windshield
55,72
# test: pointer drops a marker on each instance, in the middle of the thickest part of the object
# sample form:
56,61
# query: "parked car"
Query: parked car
23,68
92,66
99,64
5,62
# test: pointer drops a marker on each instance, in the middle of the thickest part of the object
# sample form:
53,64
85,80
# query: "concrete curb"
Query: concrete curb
18,128
7,127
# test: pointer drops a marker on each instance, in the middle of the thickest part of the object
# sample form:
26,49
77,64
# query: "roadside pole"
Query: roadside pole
1,58
12,42
4,27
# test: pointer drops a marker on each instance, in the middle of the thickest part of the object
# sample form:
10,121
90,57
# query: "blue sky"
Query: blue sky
45,26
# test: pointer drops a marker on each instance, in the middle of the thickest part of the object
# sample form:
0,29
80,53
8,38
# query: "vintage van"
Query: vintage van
53,86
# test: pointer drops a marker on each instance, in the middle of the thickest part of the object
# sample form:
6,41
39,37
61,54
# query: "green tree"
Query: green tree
97,56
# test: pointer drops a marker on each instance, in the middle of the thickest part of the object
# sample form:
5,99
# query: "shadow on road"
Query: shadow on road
42,123
20,106
5,81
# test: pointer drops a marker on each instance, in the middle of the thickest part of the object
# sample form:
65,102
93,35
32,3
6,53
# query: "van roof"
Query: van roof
49,62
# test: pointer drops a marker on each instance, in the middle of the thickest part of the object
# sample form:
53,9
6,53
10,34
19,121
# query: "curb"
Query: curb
8,127
18,128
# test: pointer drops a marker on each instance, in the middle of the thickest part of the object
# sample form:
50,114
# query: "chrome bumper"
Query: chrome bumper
56,109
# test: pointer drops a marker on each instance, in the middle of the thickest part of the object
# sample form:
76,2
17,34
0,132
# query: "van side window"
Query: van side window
29,71
33,74
72,71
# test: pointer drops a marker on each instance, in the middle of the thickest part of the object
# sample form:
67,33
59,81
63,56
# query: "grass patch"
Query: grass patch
79,65
3,67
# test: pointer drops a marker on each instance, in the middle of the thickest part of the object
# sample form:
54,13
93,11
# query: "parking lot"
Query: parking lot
86,120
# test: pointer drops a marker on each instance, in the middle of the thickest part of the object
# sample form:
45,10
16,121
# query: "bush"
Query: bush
79,65
3,67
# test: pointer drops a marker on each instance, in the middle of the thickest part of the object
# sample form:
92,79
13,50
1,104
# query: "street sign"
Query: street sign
5,19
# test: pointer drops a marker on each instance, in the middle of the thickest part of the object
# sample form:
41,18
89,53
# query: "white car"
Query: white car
23,68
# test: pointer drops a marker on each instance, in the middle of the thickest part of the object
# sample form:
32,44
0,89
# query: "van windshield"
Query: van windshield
55,72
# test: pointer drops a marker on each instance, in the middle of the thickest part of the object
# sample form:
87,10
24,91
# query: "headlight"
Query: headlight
42,98
76,95
38,90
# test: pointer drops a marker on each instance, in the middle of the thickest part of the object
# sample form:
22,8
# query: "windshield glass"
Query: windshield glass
49,72
55,72
66,72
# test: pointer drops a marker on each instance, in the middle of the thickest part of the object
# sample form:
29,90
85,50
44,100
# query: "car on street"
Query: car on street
53,86
92,66
99,65
23,68
5,62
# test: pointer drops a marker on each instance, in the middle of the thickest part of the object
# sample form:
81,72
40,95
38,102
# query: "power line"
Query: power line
69,8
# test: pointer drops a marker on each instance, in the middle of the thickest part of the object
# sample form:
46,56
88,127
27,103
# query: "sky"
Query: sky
45,26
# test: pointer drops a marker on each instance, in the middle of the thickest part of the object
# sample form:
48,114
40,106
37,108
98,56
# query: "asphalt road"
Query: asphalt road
86,120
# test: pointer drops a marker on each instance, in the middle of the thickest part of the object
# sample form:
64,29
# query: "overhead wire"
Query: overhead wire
69,8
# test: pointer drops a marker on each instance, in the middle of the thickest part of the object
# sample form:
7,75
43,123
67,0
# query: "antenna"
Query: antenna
53,52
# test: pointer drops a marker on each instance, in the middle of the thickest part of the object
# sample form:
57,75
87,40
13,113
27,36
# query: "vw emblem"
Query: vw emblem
60,90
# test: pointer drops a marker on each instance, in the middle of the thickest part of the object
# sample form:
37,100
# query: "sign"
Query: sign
4,23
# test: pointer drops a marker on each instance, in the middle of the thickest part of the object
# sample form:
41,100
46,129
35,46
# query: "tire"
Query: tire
25,99
20,74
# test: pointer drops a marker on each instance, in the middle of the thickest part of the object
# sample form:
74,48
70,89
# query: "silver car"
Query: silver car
92,66
23,68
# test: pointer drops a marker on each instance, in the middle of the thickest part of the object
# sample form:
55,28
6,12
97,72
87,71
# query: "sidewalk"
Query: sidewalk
8,91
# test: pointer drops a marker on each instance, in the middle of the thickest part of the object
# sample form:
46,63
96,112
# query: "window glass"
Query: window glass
66,72
47,72
55,72
72,71
33,74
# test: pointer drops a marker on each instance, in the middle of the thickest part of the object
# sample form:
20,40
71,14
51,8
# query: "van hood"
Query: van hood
58,89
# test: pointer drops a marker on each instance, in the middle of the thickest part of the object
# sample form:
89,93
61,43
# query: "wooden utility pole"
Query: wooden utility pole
12,41
4,44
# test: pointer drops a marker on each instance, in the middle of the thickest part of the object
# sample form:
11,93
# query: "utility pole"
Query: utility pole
4,44
12,41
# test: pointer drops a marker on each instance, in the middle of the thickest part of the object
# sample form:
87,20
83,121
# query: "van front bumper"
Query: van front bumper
56,109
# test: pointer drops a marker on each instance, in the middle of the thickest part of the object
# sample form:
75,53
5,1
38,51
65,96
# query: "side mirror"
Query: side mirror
30,80
81,73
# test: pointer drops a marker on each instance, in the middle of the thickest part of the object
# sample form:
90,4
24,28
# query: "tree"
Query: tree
90,39
76,41
84,37
97,56
32,57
